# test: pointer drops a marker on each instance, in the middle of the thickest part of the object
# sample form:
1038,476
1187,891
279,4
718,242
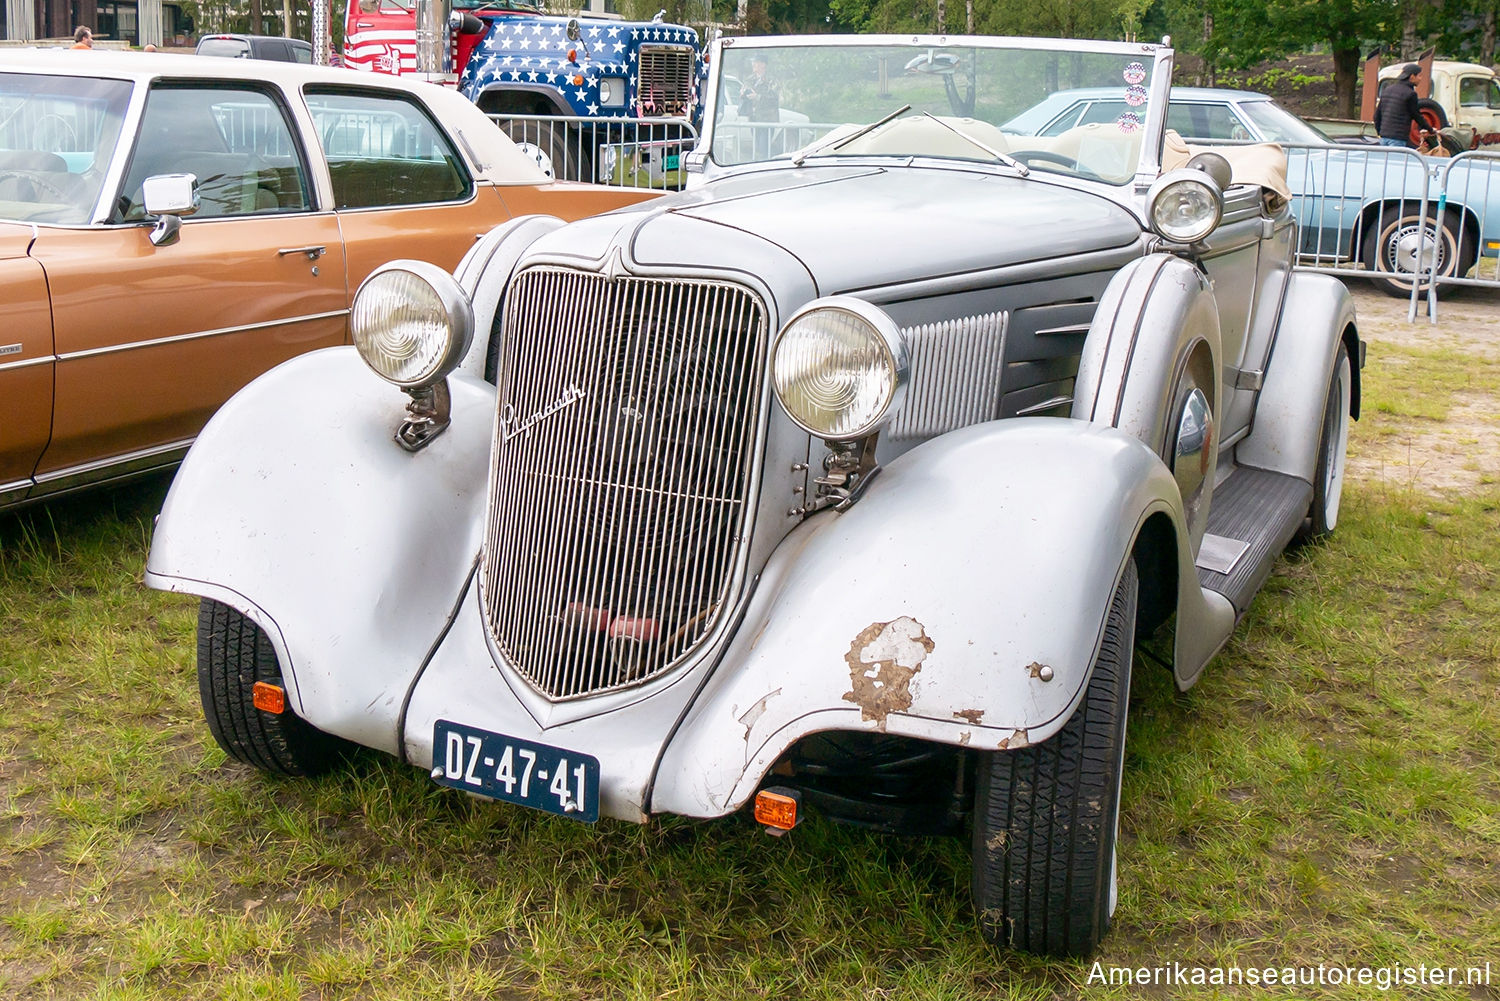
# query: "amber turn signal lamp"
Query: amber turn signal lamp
578,81
572,55
269,697
777,809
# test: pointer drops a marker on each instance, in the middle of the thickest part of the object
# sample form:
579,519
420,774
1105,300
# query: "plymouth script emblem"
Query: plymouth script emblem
510,427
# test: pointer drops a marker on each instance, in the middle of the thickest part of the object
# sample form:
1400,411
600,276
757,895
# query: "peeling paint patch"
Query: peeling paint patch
882,661
1035,669
1014,742
975,716
755,712
964,738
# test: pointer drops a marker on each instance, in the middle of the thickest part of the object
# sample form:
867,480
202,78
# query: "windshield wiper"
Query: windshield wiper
1004,158
842,141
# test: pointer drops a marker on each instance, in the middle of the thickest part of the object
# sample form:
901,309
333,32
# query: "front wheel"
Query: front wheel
1046,816
555,148
1406,245
233,654
1333,446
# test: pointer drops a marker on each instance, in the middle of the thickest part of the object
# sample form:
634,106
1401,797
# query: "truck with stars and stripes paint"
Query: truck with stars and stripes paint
511,59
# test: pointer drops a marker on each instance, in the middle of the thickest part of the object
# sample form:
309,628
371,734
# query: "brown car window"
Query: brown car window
57,135
383,149
234,140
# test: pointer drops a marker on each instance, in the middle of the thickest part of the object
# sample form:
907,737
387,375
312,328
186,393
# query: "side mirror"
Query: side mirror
574,32
169,197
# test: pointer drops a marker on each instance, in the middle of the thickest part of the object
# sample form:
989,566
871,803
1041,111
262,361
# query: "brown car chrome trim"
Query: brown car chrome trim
26,363
114,348
88,473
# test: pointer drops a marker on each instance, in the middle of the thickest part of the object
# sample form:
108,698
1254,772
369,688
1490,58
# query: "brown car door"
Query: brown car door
150,340
399,185
25,360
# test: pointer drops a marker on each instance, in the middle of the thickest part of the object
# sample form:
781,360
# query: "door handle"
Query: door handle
313,253
363,24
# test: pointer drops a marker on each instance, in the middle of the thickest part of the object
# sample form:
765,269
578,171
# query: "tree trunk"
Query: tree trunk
969,20
942,16
1209,73
1410,44
255,24
1345,70
1487,41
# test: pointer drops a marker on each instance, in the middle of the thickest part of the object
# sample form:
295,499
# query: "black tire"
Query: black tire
1333,444
1393,243
233,654
557,149
1045,816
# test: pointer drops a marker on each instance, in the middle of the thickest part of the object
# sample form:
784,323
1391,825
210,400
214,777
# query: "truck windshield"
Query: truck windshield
967,102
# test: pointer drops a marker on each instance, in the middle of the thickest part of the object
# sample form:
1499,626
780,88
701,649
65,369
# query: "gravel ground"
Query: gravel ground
1460,452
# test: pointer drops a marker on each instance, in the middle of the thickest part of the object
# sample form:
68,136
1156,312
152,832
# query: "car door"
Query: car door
150,340
400,187
1479,106
25,361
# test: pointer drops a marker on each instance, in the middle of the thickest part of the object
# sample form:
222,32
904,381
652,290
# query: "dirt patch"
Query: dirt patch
1460,452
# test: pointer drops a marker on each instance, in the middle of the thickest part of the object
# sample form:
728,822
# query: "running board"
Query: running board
1253,516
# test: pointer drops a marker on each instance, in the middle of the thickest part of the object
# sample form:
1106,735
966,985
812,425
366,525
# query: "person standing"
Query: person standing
83,38
1399,109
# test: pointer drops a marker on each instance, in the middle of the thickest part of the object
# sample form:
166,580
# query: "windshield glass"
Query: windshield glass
1278,125
57,134
966,102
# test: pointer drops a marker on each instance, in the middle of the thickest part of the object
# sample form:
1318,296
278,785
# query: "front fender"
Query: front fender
296,507
961,600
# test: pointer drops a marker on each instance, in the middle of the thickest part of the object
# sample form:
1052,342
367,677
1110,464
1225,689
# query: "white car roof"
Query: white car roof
492,156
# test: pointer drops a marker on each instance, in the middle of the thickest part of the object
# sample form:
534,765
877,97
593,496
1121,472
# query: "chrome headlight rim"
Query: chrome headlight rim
887,335
458,321
1166,183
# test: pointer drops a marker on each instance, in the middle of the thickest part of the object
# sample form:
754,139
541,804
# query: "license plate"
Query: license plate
516,771
672,161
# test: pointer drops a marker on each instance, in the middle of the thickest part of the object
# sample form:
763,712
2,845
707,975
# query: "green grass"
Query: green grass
1330,792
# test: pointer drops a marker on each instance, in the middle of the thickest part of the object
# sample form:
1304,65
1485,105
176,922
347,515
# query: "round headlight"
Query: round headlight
411,322
839,367
1184,205
612,91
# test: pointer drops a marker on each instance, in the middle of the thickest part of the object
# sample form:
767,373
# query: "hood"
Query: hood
858,227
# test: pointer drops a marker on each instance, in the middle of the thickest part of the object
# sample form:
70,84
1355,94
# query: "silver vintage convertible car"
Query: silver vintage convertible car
841,482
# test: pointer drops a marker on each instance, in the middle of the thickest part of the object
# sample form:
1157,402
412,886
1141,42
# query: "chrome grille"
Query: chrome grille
953,375
624,452
666,80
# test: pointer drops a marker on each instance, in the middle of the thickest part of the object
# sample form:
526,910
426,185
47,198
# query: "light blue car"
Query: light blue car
1356,204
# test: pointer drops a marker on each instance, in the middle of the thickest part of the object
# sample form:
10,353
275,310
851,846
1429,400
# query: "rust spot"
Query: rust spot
964,738
1014,742
882,660
974,716
1035,669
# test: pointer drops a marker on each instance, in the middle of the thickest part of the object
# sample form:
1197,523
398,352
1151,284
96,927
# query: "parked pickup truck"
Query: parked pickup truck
1463,99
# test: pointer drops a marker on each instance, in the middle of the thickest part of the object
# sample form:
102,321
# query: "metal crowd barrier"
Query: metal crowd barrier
629,152
1390,214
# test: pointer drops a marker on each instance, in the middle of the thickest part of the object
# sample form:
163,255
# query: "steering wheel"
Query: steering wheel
1027,156
39,183
56,129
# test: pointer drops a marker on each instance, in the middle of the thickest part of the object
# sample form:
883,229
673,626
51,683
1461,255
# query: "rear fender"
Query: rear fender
1318,316
297,507
961,600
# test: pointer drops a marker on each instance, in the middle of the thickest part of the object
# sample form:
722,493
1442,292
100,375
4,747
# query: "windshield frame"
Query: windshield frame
1160,58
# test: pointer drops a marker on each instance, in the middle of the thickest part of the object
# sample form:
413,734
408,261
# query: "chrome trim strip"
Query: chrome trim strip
1074,328
1045,405
121,465
27,363
157,342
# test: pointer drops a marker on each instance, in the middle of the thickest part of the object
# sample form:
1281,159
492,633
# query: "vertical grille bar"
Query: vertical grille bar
624,438
955,372
665,81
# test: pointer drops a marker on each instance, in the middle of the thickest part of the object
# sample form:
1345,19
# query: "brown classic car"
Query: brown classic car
172,226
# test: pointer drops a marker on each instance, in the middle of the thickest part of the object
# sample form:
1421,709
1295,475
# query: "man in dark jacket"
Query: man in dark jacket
1398,109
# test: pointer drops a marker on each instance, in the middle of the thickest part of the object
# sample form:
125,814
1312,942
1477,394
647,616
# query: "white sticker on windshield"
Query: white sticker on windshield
1135,96
1128,122
1135,73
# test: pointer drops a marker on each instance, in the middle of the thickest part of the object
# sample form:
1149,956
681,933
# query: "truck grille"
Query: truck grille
624,453
665,87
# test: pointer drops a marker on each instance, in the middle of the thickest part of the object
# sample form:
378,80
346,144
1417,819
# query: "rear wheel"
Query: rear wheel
1401,246
233,654
1046,817
1328,484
